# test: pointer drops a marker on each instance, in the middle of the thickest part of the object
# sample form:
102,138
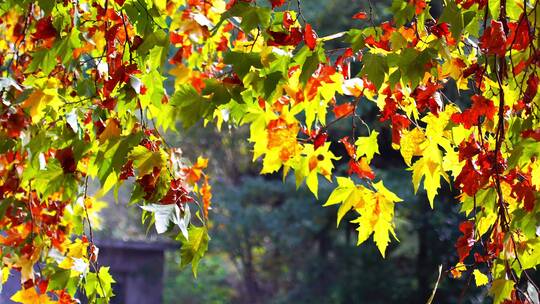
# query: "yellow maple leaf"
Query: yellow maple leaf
410,144
367,146
318,161
36,103
349,195
112,130
376,217
429,168
66,263
78,249
30,296
280,142
480,278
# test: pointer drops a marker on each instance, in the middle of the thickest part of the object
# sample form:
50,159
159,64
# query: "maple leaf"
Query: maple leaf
319,139
376,217
360,16
317,161
31,296
428,97
126,171
193,174
194,248
410,144
493,41
471,178
44,29
479,278
177,194
36,103
310,37
277,3
532,88
293,38
356,87
281,141
524,192
149,181
343,110
440,30
501,290
112,130
419,5
206,196
348,194
164,215
145,161
466,241
288,20
519,37
14,122
349,147
481,107
367,145
66,159
361,168
429,168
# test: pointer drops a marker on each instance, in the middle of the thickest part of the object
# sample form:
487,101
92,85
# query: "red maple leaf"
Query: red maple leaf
288,20
534,134
440,30
176,194
472,69
127,170
493,41
468,149
465,242
523,191
14,121
282,39
148,182
481,107
383,41
361,168
176,38
319,139
399,122
519,37
44,29
345,109
532,88
350,148
277,3
426,98
310,37
471,178
360,16
66,159
419,5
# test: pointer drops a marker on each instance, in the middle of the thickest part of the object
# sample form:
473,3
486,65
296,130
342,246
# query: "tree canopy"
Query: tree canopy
88,87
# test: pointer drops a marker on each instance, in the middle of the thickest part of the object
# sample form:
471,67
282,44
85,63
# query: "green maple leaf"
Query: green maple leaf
194,248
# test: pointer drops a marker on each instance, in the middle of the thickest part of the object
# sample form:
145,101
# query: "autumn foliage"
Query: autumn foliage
88,87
